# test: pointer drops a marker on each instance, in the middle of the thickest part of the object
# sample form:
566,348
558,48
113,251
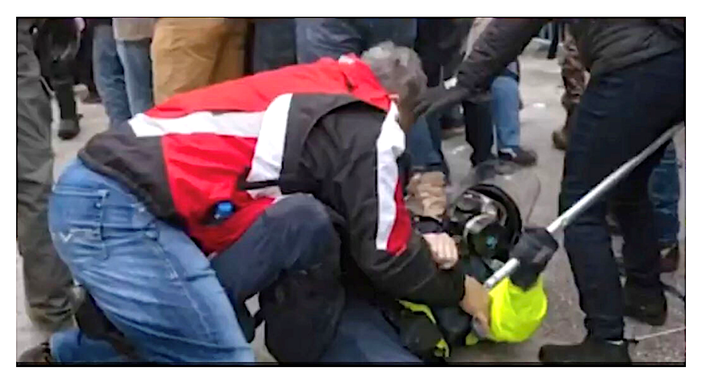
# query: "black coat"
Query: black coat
604,44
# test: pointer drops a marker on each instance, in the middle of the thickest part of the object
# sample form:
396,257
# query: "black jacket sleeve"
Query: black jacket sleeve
353,156
501,42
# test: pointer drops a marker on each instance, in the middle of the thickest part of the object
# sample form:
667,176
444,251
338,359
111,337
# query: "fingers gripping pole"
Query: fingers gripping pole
588,200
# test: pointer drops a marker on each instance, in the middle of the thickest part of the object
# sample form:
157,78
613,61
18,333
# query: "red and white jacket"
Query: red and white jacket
230,141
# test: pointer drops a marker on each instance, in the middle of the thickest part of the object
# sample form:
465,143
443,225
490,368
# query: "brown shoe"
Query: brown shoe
559,138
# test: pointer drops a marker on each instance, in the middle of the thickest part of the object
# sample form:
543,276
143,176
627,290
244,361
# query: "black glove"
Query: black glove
534,249
438,98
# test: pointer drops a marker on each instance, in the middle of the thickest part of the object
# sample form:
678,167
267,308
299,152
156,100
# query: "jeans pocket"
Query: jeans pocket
74,217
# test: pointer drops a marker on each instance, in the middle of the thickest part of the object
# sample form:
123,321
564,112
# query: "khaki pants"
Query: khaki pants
189,53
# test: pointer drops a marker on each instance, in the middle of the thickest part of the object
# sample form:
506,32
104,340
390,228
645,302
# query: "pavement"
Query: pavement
541,88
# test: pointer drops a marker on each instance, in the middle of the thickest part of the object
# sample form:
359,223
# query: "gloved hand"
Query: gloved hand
534,249
443,248
438,98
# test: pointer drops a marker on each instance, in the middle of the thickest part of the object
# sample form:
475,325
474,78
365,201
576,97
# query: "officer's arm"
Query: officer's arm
499,44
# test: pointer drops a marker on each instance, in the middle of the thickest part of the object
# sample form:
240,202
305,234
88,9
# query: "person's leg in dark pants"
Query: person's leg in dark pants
109,75
47,280
325,37
478,129
274,45
291,256
619,115
63,81
84,69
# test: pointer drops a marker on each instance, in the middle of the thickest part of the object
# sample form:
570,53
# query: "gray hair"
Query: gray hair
398,69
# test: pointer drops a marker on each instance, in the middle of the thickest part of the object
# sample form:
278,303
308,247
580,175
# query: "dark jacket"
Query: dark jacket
604,45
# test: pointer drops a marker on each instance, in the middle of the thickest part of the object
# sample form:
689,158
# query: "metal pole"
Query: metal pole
588,200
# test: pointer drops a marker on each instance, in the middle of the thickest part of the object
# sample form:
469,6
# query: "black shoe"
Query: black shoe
645,305
69,128
37,355
589,351
520,156
670,258
92,98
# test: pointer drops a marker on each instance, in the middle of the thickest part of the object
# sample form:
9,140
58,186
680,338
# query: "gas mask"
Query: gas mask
489,208
486,216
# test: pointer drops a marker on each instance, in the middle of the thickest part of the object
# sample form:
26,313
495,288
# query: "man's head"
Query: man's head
400,72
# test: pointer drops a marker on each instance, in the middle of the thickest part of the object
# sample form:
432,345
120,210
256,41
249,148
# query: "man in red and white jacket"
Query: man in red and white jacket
268,180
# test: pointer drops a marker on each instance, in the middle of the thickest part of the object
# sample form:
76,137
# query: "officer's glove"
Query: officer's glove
534,249
438,98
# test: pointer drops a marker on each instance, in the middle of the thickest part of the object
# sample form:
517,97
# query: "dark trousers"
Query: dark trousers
292,240
47,279
333,37
619,115
273,44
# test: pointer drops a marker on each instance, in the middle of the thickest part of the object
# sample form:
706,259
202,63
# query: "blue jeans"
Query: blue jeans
424,144
664,195
149,278
506,112
109,75
619,115
365,336
137,67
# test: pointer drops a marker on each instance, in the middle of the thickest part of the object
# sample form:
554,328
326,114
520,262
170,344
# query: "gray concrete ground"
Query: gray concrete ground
541,89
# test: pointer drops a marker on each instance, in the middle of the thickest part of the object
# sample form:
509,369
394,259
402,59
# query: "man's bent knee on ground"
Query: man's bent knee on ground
210,163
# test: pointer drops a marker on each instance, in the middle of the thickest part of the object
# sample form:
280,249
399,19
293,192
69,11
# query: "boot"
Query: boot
560,137
589,351
519,156
37,355
645,305
560,141
426,194
69,128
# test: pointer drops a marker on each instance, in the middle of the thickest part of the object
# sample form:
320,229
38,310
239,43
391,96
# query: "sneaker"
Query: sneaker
670,258
559,139
519,155
37,355
645,305
69,128
589,351
92,98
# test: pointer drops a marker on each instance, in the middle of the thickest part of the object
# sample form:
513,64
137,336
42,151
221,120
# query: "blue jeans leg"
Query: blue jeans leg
664,195
135,58
365,336
423,147
506,112
148,278
109,76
